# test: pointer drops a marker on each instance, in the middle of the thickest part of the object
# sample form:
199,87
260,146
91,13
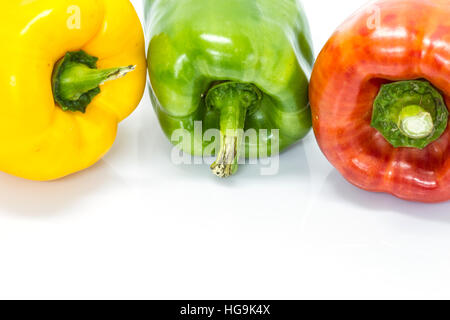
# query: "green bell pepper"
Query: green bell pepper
233,65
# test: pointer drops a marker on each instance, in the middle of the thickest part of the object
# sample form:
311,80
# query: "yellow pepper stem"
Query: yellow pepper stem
76,80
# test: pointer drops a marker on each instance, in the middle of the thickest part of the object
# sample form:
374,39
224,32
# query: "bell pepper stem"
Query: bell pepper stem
232,121
227,160
410,114
76,80
233,100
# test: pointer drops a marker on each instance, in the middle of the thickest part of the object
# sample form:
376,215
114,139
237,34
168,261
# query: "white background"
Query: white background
137,226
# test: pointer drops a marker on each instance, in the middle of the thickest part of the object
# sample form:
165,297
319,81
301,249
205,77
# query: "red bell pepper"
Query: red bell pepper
380,93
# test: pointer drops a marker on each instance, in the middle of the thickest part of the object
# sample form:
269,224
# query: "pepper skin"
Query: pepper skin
205,56
38,140
385,44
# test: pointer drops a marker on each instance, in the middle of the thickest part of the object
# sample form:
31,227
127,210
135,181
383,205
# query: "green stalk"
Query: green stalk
76,80
232,100
410,114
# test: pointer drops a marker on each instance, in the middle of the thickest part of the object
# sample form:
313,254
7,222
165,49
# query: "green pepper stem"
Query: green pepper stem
232,120
76,80
227,160
233,100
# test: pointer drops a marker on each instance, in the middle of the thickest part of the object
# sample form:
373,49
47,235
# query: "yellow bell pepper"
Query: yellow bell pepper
57,114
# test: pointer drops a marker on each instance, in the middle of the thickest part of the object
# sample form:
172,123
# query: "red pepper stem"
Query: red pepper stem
415,122
410,114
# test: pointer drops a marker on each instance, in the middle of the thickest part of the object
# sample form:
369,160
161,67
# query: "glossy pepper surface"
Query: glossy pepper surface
57,117
380,93
233,65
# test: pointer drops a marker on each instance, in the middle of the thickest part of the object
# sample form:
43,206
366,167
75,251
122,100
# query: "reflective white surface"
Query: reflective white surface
136,226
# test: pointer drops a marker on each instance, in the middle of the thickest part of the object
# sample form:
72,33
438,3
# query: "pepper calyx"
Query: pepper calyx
76,80
410,114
